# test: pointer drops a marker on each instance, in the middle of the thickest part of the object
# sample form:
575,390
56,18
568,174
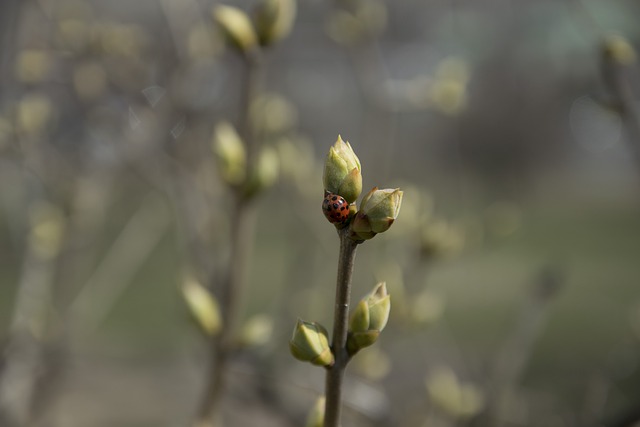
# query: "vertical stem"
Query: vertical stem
222,347
335,373
241,241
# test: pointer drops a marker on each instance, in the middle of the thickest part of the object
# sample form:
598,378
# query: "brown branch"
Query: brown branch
335,374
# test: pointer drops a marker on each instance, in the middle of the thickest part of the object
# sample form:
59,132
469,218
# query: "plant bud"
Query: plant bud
203,306
369,318
359,340
257,330
230,153
274,20
266,172
342,171
310,343
619,49
379,303
359,320
316,415
236,26
378,210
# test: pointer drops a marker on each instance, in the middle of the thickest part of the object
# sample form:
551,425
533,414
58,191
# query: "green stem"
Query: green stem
335,374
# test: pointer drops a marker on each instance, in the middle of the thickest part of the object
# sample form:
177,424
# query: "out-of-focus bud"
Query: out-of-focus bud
230,153
272,114
257,330
203,306
362,20
202,43
427,307
316,414
72,35
265,174
310,343
274,19
89,80
618,49
369,318
378,210
439,238
47,230
374,364
342,171
236,26
6,133
34,114
33,66
459,400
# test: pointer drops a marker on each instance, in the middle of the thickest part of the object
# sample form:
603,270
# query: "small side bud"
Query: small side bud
379,302
378,210
265,174
203,306
316,414
257,331
369,318
310,343
359,340
236,26
618,49
342,171
273,20
230,153
359,320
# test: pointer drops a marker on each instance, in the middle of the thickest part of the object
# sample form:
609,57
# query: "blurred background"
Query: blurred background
511,126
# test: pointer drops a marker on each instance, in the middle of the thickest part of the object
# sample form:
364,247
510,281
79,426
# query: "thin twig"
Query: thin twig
335,373
241,241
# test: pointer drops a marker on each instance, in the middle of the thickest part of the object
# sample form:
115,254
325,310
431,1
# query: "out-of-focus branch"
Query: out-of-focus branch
131,248
30,322
241,241
616,55
516,352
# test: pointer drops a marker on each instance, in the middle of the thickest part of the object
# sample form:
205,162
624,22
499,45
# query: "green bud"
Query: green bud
379,303
236,26
266,172
342,171
310,343
257,330
203,306
274,20
369,318
359,340
316,415
359,320
230,153
619,49
378,210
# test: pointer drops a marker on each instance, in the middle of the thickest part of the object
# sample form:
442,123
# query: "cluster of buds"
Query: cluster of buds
272,20
368,319
343,178
231,158
310,342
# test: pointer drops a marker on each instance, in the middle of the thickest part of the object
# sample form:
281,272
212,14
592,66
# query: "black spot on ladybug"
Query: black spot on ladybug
335,206
334,198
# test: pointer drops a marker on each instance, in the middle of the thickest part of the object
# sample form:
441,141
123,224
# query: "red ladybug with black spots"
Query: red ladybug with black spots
335,208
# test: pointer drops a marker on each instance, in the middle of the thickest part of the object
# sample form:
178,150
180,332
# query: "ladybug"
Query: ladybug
335,208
